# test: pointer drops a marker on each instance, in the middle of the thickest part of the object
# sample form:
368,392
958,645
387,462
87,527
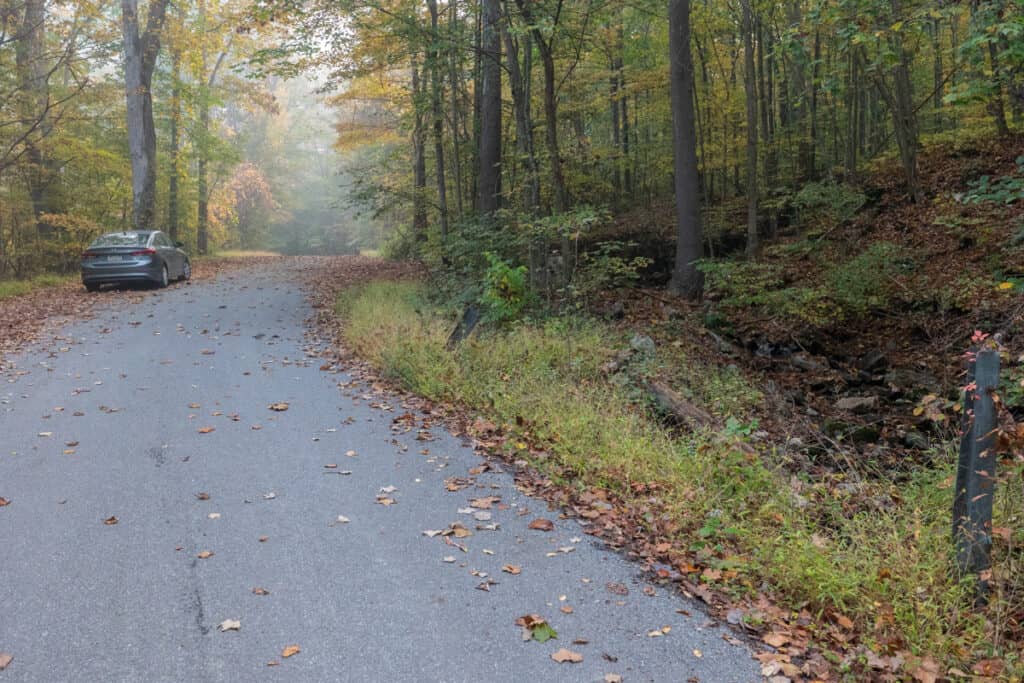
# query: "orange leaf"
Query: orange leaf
291,650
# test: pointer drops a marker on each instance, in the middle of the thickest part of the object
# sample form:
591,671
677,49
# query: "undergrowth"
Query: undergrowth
10,288
886,568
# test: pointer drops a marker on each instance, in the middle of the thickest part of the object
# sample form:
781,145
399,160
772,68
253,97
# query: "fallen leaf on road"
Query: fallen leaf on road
5,660
45,433
616,588
273,662
612,678
193,406
541,524
207,430
205,554
384,500
564,655
776,639
388,489
512,569
214,515
351,454
291,650
484,503
202,495
4,502
269,496
110,521
565,609
536,627
698,654
70,444
279,407
264,539
230,625
260,591
331,466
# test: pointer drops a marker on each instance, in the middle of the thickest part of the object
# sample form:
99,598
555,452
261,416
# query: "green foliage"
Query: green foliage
864,281
605,266
506,290
1002,190
824,205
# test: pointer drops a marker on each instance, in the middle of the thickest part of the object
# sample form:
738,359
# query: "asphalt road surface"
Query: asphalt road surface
106,421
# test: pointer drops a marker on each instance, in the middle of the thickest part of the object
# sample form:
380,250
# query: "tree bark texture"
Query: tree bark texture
687,280
140,51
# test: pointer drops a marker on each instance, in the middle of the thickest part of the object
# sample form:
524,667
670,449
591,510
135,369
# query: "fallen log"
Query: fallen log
676,409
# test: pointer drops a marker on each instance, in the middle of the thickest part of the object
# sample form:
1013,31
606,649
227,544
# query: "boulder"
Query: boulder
857,404
642,343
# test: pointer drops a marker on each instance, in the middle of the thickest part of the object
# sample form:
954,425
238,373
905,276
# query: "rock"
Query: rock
873,360
865,434
642,343
910,380
795,442
806,362
857,404
915,439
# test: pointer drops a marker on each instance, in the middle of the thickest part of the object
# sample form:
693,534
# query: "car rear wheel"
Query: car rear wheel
164,281
186,270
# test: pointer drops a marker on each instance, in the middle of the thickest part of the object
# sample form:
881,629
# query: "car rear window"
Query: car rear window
121,239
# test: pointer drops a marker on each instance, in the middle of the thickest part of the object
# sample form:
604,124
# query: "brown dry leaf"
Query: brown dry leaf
512,569
70,444
563,655
279,407
291,650
207,430
484,503
988,667
264,539
541,524
351,454
776,639
612,678
566,609
331,466
273,662
110,521
203,495
205,554
616,588
260,591
4,502
193,406
5,660
844,621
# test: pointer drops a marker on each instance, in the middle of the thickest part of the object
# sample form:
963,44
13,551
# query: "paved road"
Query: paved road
368,600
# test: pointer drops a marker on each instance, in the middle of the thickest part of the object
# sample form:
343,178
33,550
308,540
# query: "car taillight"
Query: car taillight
144,252
88,255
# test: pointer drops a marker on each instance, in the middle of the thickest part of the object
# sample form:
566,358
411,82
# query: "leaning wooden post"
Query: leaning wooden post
976,469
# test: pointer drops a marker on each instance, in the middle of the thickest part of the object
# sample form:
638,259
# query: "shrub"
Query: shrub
825,205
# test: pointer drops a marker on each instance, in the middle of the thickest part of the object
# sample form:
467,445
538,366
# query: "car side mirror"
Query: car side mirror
179,244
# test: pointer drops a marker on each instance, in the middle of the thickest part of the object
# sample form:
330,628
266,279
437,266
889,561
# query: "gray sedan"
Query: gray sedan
147,256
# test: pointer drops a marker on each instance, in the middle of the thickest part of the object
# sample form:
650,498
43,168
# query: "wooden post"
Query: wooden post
976,469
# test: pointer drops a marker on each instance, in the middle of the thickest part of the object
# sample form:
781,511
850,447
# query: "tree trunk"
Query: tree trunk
419,160
456,112
687,280
140,52
489,171
438,122
547,57
519,83
34,105
753,240
172,186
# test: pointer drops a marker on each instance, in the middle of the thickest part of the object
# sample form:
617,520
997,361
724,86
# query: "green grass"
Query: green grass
885,564
11,288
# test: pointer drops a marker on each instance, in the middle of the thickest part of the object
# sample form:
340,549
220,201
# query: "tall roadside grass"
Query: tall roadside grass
11,288
883,565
